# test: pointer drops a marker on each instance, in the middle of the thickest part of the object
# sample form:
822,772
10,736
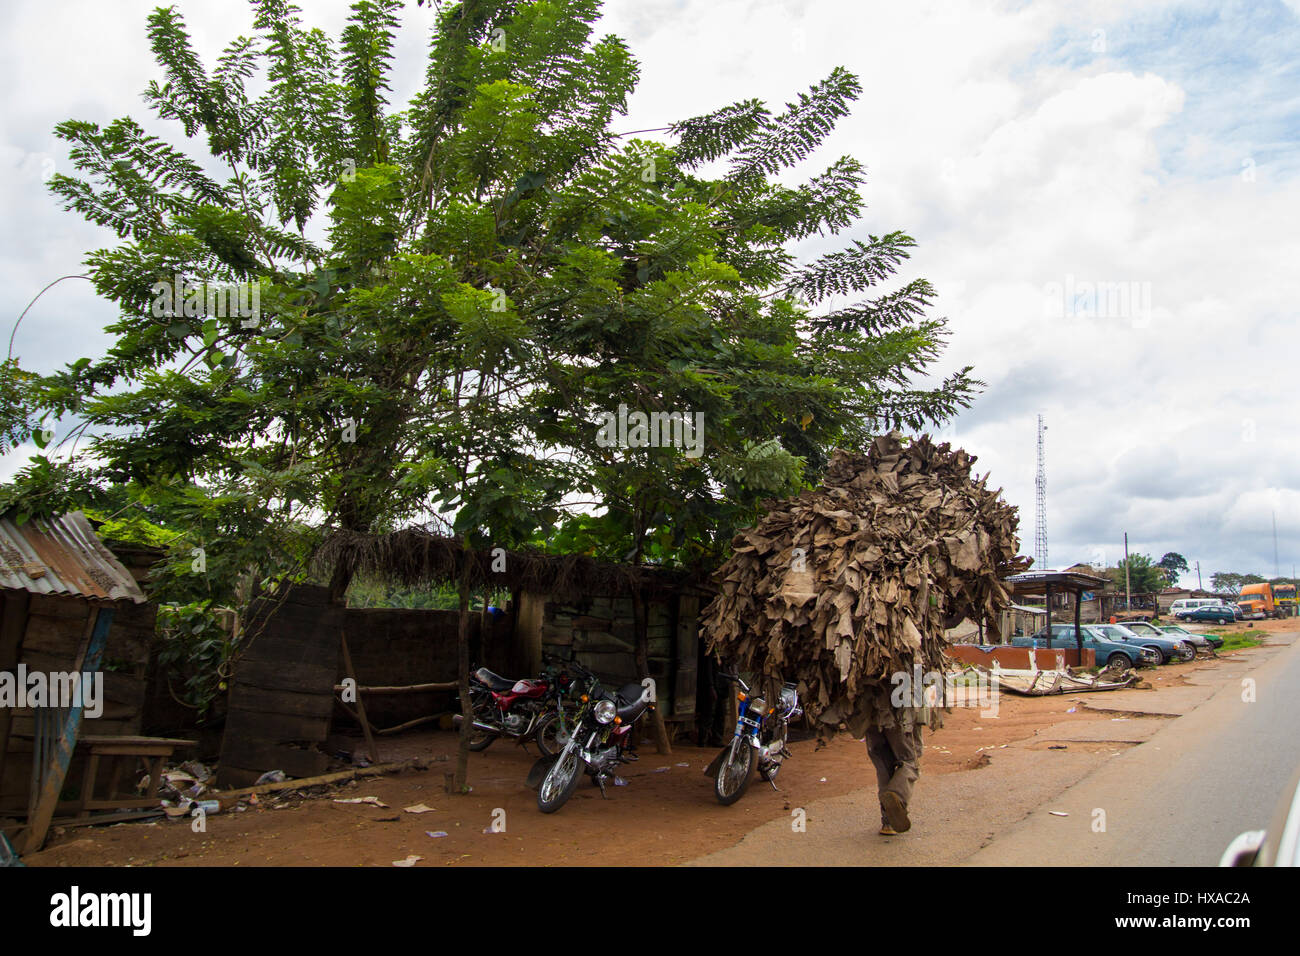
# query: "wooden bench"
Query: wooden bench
154,751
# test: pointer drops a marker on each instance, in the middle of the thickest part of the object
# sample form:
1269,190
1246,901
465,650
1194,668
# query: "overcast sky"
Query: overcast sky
1033,150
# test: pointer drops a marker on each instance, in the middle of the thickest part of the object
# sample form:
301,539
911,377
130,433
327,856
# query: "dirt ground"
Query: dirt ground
666,813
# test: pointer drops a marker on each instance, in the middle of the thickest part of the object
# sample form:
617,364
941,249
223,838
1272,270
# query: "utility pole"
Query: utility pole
1198,577
1128,592
1276,572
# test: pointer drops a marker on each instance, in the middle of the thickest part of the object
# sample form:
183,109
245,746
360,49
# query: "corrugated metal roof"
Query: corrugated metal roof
62,556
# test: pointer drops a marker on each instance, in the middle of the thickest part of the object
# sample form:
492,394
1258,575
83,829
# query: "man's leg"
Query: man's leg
883,759
896,794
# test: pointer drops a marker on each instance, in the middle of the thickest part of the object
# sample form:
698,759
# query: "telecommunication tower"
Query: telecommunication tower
1040,502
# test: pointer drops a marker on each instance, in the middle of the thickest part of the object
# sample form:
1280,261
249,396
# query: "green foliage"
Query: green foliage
195,652
1144,575
499,270
1230,582
1173,563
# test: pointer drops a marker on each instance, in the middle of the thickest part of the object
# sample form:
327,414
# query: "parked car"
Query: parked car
1109,653
1191,604
1170,649
1145,628
1177,630
1218,613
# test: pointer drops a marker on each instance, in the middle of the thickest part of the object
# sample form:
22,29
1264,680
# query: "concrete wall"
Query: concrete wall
1018,658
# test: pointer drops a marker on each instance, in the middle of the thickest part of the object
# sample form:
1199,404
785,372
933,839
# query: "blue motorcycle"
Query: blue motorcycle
758,745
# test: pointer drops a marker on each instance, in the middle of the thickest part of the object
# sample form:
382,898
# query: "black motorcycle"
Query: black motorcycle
598,744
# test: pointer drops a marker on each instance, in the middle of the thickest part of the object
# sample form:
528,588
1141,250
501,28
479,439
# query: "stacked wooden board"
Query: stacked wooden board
282,694
851,583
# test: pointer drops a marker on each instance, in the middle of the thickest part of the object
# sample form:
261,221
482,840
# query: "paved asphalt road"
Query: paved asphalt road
1179,798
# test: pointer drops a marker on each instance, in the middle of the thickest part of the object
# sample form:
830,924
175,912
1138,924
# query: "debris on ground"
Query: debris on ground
1040,683
856,580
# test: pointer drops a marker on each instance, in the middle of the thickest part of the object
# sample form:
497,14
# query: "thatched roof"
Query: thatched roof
414,556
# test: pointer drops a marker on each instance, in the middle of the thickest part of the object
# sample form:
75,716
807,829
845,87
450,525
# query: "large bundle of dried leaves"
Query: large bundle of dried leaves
854,581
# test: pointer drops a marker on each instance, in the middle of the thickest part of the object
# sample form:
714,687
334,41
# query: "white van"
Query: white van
1191,604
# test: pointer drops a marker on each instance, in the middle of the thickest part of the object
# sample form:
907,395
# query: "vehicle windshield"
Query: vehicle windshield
1117,631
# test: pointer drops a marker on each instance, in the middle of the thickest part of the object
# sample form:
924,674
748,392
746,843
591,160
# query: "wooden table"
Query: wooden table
119,750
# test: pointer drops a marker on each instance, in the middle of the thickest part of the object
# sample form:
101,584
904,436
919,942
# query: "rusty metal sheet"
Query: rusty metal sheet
62,556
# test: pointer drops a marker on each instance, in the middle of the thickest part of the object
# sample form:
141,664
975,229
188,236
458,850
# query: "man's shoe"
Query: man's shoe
895,812
887,830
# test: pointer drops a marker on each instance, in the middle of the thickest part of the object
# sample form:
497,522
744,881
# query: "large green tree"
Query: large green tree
452,295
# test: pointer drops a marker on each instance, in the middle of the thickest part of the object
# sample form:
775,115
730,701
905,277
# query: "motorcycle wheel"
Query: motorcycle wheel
735,773
550,737
480,740
559,783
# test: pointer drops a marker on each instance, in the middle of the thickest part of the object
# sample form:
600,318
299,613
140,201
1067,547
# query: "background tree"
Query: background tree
1173,563
1144,575
1230,582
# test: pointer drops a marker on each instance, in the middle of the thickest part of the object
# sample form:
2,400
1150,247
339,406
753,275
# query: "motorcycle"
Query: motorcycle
536,709
759,742
598,744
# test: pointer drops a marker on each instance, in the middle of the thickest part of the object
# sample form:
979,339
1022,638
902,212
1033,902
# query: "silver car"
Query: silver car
1147,629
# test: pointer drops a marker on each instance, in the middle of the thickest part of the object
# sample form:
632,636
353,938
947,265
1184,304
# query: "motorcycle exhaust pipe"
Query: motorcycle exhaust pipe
458,719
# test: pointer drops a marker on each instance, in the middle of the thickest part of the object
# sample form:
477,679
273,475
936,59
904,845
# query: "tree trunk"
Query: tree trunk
460,783
641,624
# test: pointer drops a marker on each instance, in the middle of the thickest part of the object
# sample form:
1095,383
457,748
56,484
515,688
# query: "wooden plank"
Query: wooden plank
361,707
287,702
88,661
274,728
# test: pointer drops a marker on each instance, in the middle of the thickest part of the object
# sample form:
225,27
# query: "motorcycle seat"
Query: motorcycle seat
629,703
494,681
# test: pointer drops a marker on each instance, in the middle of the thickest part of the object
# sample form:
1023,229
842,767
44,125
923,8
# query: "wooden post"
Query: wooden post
41,812
361,707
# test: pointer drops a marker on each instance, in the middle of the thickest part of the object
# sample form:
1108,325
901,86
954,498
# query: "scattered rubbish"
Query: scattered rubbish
1058,747
271,776
661,769
373,801
620,782
683,765
435,833
1072,710
206,807
1058,813
8,856
822,780
178,809
1040,683
420,808
409,861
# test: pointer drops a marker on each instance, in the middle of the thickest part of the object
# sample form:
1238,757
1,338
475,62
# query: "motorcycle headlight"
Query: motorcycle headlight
604,711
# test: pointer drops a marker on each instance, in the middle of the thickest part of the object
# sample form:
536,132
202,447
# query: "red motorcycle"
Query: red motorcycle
530,709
